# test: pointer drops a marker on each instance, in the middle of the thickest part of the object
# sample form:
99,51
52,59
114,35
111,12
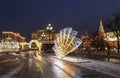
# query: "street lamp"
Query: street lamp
43,36
49,28
43,41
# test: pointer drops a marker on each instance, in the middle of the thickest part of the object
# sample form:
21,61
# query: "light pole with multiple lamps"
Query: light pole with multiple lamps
43,41
49,29
43,36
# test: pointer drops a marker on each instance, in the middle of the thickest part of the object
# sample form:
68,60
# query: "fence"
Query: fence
102,53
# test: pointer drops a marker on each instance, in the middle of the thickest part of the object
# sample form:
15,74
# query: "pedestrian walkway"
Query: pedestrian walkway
101,66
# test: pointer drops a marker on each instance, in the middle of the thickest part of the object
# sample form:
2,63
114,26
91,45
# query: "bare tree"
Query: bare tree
113,23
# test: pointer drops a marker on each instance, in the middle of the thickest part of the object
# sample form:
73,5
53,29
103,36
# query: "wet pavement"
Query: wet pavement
8,65
36,66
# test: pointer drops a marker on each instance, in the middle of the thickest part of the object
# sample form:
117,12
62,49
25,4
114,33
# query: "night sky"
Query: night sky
25,16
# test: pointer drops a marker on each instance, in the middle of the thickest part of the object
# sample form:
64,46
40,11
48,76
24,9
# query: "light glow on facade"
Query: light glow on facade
11,41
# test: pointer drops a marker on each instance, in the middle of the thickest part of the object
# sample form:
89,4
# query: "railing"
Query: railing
103,53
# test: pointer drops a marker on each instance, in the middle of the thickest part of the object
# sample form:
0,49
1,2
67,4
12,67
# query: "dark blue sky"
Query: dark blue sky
25,16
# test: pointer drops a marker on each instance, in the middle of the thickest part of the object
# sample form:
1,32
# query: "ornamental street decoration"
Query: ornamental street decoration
66,42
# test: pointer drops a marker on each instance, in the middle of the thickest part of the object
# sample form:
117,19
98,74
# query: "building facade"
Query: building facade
14,36
44,36
111,40
86,41
11,41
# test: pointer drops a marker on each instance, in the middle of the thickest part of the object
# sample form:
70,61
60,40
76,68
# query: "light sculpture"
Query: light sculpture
66,42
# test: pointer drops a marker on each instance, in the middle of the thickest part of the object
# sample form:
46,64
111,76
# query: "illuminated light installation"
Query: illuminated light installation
9,45
66,42
38,45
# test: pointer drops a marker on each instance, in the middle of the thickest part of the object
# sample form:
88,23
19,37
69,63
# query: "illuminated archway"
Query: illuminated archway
36,43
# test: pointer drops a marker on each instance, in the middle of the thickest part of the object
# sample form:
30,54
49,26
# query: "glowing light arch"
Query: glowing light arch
38,44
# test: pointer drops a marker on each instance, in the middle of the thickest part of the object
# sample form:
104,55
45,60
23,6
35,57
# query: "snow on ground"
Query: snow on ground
101,66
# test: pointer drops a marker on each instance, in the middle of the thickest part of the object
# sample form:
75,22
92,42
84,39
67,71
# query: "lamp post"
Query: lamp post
43,36
43,40
108,46
49,28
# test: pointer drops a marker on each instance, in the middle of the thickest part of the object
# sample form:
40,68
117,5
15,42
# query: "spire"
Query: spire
101,26
86,32
101,30
101,23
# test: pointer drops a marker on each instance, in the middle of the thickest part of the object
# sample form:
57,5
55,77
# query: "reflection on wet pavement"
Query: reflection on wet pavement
36,66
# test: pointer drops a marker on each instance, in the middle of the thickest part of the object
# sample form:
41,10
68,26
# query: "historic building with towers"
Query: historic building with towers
102,41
